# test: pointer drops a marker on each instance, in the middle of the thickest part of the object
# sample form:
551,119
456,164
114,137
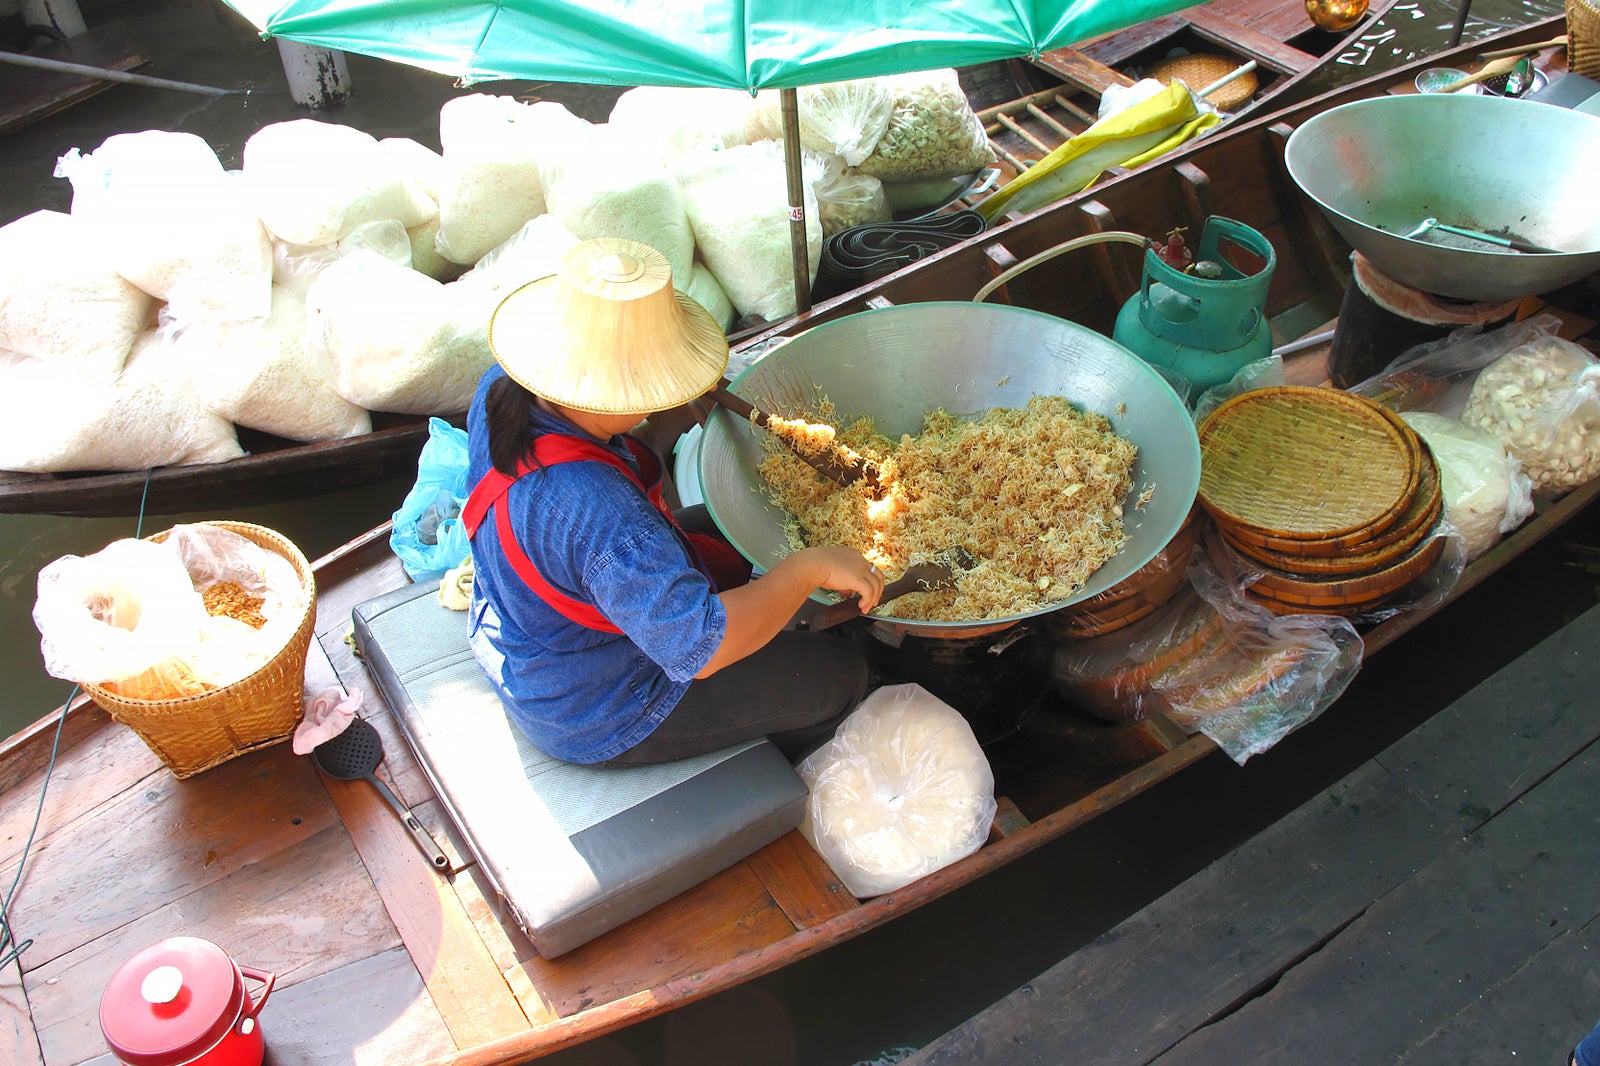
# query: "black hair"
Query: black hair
508,411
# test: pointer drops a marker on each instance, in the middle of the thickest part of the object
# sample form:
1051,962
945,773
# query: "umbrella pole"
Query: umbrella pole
789,99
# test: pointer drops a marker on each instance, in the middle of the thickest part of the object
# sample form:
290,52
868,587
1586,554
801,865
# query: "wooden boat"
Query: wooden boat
1028,108
382,961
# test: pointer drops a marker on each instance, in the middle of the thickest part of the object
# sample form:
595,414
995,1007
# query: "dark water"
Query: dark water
874,999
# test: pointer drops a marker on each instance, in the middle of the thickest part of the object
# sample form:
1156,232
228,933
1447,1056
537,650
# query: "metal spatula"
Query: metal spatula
923,577
356,753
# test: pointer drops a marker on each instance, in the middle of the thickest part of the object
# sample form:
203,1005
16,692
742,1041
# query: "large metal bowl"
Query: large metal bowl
899,363
1379,167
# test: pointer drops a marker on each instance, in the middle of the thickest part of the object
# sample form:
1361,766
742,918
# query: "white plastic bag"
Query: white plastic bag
599,187
932,132
704,290
846,197
1542,400
61,302
390,339
426,167
492,147
842,118
132,617
313,182
738,205
533,252
127,612
59,420
672,121
1485,491
296,266
258,374
176,224
902,790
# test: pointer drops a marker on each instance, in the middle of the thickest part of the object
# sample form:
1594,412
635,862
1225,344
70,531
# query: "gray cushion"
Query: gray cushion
573,850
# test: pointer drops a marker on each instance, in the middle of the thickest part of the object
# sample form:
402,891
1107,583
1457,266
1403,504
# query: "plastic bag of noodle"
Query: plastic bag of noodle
902,790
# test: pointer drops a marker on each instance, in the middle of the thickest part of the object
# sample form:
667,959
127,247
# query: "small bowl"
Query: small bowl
1436,78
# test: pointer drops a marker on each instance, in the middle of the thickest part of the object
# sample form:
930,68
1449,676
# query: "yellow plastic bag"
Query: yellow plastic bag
1127,138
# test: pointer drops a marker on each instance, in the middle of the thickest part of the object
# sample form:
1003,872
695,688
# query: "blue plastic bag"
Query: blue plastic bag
427,534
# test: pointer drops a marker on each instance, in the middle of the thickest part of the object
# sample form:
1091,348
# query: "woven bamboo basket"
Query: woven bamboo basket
1583,38
195,733
1199,70
1305,464
1347,593
1329,558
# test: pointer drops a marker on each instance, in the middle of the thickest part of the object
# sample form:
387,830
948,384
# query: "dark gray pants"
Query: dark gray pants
795,691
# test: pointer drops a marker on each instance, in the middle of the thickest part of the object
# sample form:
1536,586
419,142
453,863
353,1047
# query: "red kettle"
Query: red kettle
183,1001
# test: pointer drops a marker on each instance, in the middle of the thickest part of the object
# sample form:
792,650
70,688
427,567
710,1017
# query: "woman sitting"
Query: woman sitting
615,633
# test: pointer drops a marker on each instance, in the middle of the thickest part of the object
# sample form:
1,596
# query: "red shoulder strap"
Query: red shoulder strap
551,449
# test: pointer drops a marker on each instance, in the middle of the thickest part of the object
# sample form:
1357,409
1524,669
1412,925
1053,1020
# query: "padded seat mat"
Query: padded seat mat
573,850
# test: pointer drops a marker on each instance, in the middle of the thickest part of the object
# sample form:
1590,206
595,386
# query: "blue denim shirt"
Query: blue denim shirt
579,694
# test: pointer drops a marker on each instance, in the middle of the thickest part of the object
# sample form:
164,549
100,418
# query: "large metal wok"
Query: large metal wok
899,363
1379,167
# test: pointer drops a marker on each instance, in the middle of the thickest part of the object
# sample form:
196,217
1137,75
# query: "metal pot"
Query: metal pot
183,1001
1379,167
899,363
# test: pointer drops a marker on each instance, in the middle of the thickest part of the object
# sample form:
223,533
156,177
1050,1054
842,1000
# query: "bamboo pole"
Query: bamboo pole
790,101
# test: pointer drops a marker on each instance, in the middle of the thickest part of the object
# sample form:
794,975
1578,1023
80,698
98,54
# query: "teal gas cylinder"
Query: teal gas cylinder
1205,328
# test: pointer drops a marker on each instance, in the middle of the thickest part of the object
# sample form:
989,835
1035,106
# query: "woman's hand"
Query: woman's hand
845,570
757,611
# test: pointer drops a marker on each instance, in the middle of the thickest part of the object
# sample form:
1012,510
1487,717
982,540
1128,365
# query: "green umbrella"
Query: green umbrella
742,44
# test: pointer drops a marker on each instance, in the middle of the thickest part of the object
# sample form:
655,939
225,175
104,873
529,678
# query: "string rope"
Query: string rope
10,948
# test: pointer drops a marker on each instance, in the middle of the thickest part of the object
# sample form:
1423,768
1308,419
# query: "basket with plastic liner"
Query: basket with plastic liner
1583,31
195,638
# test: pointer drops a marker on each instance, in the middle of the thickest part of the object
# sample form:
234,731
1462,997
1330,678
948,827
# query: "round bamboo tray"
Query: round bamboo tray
1583,33
1199,70
1403,535
1116,696
1347,592
1305,464
195,733
1138,595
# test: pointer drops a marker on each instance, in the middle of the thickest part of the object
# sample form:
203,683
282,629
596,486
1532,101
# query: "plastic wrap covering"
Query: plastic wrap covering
423,165
902,790
1438,376
296,266
313,182
932,131
175,224
843,118
61,302
1217,664
133,616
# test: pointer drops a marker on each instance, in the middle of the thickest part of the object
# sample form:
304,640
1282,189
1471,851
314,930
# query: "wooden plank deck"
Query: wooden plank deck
1436,905
28,95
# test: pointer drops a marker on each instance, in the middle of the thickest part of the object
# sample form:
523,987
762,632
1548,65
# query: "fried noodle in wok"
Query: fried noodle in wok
1035,494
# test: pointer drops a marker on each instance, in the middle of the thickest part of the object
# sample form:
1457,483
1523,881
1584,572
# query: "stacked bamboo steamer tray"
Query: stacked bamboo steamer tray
1331,497
1136,596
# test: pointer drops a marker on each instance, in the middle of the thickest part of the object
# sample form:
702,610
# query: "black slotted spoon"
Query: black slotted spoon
356,753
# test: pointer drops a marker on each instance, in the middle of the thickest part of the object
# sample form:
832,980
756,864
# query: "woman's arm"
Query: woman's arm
757,611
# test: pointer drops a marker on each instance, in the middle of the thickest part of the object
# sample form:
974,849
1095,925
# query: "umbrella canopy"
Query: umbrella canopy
737,44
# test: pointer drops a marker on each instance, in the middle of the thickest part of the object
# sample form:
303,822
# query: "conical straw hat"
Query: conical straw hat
608,333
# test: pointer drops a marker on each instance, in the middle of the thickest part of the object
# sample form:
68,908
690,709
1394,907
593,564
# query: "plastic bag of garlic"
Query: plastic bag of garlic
1542,400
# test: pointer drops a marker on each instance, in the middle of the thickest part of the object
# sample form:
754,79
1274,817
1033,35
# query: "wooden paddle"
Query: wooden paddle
923,577
834,467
